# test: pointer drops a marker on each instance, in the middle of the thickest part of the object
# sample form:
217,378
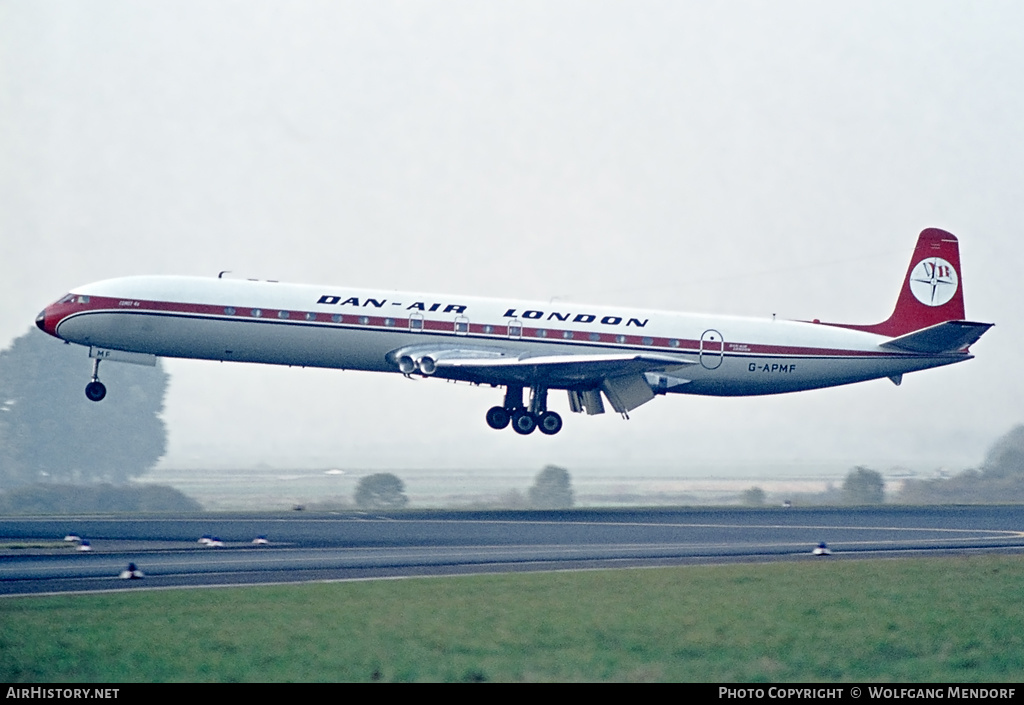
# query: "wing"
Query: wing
627,379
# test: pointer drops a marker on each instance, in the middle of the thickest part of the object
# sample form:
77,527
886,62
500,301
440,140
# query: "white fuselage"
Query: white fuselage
338,327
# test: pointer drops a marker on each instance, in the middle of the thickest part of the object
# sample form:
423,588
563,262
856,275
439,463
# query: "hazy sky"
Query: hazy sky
743,158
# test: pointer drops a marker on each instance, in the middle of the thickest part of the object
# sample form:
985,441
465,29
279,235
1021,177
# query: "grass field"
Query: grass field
956,619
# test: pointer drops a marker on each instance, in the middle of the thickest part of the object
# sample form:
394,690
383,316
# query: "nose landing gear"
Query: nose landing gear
95,390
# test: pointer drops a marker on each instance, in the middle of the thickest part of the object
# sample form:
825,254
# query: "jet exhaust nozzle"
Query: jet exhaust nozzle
406,365
428,365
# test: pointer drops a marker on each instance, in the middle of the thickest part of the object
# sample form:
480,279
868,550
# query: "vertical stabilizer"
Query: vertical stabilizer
933,290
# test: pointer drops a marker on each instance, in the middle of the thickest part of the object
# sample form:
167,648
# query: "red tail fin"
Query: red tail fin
933,290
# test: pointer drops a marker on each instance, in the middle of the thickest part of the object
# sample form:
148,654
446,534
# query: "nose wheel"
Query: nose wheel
95,390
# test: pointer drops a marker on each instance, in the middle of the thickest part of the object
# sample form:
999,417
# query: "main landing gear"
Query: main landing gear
95,390
525,419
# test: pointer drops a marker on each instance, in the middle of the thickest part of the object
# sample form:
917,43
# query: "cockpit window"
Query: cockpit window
83,299
67,299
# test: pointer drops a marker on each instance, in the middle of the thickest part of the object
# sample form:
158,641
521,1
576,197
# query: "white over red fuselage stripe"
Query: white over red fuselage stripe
579,336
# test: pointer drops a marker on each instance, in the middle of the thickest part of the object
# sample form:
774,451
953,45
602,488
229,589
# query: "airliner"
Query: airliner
595,353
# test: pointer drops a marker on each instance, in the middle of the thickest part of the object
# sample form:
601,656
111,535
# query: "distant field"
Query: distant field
957,619
273,489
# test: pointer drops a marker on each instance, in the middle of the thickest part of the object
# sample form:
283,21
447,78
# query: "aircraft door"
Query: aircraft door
712,349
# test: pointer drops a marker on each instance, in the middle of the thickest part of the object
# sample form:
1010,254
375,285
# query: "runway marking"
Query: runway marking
712,563
234,552
482,545
339,558
264,553
1018,534
545,522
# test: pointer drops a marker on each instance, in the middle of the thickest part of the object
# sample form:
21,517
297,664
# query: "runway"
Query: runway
356,545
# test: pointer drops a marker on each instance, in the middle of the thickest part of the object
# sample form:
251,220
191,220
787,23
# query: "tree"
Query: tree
1006,456
1001,478
49,431
863,486
381,491
552,489
754,497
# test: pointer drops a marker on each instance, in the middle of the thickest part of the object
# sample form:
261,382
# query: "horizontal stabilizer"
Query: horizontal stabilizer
951,336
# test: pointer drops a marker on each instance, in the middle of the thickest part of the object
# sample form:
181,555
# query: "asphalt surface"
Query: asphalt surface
305,547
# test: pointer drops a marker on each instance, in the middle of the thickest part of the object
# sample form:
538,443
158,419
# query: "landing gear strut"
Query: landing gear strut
95,390
525,419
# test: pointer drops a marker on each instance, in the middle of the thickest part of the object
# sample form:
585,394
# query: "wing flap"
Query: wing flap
627,393
565,370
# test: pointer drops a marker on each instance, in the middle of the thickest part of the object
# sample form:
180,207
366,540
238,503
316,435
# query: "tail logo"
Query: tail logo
933,281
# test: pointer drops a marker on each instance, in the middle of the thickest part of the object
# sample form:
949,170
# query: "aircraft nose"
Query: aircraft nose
41,320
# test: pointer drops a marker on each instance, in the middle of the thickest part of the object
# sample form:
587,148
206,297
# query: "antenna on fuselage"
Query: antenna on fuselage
223,272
